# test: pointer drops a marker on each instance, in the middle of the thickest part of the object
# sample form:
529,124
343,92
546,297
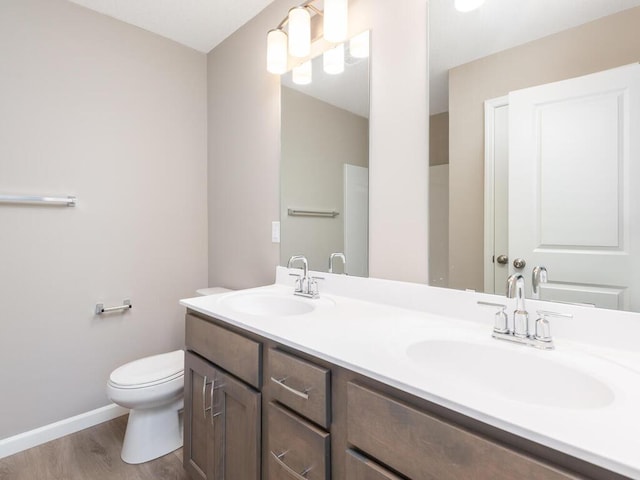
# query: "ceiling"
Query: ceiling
455,38
458,38
199,24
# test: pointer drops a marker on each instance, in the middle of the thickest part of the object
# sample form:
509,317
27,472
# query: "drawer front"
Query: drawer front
236,354
296,449
361,468
423,447
301,386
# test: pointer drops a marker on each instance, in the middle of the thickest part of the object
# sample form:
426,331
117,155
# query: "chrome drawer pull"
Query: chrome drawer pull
281,381
288,469
204,397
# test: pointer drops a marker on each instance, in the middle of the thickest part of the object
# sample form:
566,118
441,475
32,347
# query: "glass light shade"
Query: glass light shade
299,32
359,45
302,74
468,5
333,60
277,52
335,20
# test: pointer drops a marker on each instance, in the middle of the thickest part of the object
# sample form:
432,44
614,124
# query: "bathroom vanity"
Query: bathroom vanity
344,387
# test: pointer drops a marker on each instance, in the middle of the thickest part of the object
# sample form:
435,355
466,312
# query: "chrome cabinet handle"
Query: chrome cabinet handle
298,393
213,388
204,397
299,476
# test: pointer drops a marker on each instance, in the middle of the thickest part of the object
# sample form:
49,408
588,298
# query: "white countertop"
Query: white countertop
372,338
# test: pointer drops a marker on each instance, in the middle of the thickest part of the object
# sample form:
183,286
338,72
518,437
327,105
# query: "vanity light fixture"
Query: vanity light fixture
299,32
302,74
296,41
468,5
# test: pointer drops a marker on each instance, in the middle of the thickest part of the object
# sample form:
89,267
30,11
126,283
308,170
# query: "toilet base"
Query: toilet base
152,433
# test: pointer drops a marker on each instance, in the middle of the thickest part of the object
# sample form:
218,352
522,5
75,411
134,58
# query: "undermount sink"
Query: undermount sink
266,304
525,376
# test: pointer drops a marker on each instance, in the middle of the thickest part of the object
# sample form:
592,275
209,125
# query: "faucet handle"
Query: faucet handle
543,327
501,320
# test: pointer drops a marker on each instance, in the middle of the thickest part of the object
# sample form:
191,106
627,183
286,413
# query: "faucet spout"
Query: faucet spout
515,289
305,264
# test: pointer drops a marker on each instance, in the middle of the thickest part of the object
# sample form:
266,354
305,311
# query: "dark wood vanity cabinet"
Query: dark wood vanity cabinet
320,421
222,418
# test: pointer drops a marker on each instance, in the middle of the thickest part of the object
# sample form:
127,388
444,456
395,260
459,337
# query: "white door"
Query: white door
574,187
356,220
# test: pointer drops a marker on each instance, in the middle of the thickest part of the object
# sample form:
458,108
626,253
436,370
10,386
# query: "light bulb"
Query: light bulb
468,5
333,60
335,20
359,45
299,32
302,74
276,52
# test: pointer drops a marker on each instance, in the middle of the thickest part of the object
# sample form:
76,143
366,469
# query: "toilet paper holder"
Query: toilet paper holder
126,305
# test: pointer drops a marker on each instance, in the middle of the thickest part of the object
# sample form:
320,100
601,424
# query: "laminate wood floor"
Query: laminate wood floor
91,454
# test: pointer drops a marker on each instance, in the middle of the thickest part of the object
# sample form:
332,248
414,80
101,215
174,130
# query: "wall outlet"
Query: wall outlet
275,232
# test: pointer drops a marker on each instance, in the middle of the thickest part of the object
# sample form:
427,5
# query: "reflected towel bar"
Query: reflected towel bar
126,305
296,212
68,201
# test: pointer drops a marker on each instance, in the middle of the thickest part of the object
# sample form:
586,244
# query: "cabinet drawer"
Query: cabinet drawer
296,448
236,354
423,447
301,386
361,468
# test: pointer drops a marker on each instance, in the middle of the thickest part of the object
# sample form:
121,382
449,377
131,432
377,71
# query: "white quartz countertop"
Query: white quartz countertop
376,340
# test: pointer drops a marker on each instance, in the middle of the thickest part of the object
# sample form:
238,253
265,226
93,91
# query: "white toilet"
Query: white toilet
153,388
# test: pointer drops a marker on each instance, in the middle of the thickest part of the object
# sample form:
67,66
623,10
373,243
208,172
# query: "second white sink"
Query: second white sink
523,375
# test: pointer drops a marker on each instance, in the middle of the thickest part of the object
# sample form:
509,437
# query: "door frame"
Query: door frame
490,107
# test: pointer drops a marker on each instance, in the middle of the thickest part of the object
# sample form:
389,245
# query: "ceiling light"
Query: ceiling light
302,74
468,5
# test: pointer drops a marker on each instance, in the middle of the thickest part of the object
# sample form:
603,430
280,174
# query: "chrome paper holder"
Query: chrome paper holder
126,305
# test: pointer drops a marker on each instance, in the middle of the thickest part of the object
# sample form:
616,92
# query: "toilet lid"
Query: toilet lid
149,370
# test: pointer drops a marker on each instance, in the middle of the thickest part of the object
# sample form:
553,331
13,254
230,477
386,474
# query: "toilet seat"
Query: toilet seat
149,371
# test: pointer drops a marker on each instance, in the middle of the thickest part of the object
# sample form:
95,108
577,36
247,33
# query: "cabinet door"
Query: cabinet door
198,422
221,424
237,431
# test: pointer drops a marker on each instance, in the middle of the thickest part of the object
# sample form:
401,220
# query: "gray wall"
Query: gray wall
244,146
605,43
93,107
317,140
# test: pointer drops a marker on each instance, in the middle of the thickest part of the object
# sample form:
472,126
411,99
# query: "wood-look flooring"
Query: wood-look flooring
91,454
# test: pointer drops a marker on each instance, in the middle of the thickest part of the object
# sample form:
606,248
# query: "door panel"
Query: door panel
573,186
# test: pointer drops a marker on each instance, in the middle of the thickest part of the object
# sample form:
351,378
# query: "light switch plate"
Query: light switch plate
275,232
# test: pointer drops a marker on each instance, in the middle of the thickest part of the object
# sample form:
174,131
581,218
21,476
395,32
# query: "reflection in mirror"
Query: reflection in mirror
583,229
324,164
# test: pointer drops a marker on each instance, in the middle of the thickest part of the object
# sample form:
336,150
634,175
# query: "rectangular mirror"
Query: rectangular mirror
324,165
514,179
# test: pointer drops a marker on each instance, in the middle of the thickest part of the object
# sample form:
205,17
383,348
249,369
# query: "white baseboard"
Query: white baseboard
38,436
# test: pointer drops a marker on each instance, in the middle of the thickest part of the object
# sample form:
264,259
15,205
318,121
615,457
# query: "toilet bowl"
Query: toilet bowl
152,388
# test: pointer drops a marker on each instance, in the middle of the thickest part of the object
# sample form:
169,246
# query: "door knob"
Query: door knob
502,259
519,263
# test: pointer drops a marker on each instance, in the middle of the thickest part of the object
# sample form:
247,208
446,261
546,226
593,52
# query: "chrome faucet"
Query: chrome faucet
341,257
537,335
306,286
515,289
